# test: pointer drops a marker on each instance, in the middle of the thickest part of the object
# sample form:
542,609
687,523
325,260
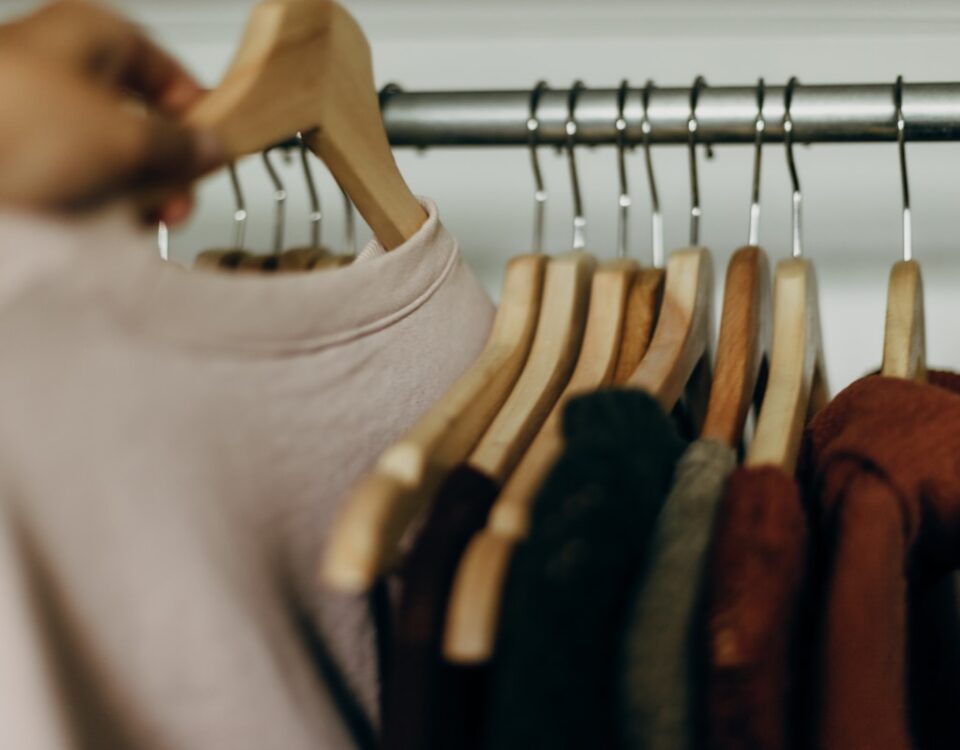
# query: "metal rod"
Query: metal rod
725,114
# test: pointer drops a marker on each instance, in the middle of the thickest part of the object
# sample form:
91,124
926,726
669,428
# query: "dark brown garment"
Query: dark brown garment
570,583
417,679
883,464
757,566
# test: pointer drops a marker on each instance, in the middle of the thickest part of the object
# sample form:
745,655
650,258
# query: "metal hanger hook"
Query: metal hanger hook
280,202
692,127
316,213
570,127
753,232
904,180
656,222
623,200
797,248
533,140
240,214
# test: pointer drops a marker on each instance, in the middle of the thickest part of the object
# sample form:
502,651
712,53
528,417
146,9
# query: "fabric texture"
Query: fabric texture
415,683
882,463
569,583
757,571
663,668
173,450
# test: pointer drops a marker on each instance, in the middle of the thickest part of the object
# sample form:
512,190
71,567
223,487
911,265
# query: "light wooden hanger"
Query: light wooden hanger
797,386
408,475
474,608
680,348
304,66
745,323
646,294
904,341
556,344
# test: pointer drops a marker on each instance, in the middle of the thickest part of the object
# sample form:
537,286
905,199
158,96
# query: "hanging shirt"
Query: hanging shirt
663,669
757,570
882,463
569,583
173,450
417,679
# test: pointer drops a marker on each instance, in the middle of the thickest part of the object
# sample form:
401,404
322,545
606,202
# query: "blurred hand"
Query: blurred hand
90,110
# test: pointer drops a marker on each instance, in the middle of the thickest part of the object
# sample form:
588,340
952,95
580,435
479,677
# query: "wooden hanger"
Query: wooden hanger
640,321
681,341
595,368
680,348
904,341
745,323
556,346
304,66
797,386
742,347
378,512
552,358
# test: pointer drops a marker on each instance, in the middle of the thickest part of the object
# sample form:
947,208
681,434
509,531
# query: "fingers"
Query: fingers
88,38
87,144
159,78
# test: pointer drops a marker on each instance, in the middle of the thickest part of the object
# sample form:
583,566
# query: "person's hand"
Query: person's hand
90,110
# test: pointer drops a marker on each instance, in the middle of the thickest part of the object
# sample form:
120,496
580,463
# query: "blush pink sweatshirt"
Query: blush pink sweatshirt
173,450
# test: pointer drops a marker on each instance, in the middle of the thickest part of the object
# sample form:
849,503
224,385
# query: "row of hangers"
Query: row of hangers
566,324
313,256
569,325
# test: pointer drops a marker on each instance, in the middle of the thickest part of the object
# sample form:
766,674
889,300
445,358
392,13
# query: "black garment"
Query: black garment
570,582
417,678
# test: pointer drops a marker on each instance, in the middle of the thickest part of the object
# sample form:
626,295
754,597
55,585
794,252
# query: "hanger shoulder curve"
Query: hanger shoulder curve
473,612
904,340
556,343
305,66
743,344
640,320
797,382
595,367
682,336
409,473
453,426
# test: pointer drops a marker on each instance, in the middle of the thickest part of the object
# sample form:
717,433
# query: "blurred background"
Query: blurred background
851,192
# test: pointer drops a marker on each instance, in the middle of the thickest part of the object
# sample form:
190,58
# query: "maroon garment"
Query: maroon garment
417,680
757,568
883,465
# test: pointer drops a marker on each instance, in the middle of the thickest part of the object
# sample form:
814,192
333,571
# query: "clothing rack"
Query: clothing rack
836,113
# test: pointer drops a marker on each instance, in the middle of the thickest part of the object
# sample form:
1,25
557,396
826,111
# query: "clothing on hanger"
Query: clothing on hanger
881,465
664,661
256,403
416,677
568,584
757,569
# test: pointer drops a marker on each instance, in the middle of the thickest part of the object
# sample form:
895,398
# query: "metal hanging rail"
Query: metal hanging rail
726,114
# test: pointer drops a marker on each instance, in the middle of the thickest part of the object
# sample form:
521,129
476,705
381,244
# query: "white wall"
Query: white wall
851,191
